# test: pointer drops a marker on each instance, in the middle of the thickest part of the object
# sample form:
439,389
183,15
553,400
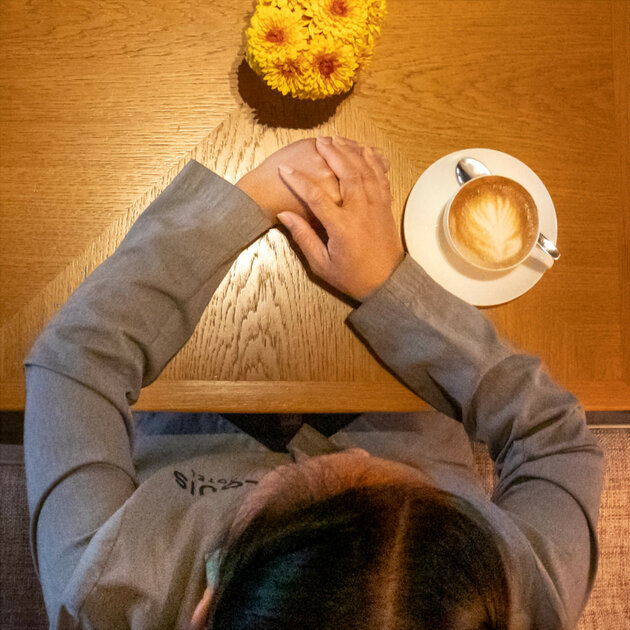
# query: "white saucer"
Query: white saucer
427,243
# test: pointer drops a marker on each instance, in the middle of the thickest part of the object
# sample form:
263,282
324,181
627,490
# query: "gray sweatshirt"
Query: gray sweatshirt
120,526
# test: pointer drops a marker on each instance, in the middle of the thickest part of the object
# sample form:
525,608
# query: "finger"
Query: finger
349,167
371,181
358,148
329,182
349,142
384,162
380,177
314,196
307,240
326,179
367,169
345,155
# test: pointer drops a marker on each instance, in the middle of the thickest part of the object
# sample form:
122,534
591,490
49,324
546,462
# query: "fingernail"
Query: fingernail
285,170
324,139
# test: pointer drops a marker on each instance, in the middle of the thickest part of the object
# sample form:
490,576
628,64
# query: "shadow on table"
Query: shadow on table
275,110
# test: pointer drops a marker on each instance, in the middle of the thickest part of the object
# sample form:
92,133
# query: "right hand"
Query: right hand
364,245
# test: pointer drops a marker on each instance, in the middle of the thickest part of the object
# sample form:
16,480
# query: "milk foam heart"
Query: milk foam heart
493,228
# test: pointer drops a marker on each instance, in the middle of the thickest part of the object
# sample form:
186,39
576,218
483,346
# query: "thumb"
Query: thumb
307,240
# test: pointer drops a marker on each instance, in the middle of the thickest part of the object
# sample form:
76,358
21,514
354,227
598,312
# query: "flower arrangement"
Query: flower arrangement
312,49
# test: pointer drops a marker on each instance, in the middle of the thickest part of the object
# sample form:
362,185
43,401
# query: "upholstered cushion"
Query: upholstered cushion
22,606
21,601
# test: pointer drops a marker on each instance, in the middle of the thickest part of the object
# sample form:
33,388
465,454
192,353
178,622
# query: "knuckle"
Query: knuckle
316,196
298,233
354,175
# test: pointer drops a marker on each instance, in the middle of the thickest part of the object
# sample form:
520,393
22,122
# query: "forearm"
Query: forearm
136,310
438,345
449,354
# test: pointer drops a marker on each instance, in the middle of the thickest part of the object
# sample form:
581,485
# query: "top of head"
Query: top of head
389,555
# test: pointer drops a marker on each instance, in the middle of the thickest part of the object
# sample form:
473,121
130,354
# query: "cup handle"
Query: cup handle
549,247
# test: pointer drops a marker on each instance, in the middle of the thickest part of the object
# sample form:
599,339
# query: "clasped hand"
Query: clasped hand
342,186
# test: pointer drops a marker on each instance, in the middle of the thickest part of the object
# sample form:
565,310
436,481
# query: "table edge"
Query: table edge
306,396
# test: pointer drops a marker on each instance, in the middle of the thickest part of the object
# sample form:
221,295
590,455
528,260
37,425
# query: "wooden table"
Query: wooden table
102,104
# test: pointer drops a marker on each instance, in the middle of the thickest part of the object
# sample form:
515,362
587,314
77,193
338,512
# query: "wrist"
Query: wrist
250,186
370,291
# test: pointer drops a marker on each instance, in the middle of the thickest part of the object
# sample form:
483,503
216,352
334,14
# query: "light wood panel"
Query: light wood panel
101,107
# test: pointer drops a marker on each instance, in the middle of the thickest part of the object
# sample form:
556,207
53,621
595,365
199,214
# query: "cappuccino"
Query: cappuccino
493,222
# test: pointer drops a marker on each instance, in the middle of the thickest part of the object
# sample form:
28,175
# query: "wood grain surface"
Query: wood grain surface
103,103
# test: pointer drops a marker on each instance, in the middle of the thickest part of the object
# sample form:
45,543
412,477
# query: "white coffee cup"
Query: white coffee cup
492,223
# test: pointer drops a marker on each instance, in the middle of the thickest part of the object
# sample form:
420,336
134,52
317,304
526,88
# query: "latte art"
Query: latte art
493,226
493,222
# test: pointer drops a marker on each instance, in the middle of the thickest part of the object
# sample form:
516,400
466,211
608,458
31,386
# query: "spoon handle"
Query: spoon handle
548,246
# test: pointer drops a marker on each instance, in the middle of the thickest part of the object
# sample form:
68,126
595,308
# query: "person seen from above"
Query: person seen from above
383,523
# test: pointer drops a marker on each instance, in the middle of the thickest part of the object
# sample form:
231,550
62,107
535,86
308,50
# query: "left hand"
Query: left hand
264,186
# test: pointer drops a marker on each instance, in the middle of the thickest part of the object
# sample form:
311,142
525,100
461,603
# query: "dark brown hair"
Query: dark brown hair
389,556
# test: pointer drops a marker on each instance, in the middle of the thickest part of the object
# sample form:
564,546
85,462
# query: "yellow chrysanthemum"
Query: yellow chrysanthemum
287,75
332,68
275,32
312,48
346,19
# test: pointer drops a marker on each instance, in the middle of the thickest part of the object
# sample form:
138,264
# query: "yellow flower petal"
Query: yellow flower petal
295,5
377,10
363,54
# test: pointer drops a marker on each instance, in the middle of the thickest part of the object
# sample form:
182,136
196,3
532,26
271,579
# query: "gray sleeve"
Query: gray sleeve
113,336
549,466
